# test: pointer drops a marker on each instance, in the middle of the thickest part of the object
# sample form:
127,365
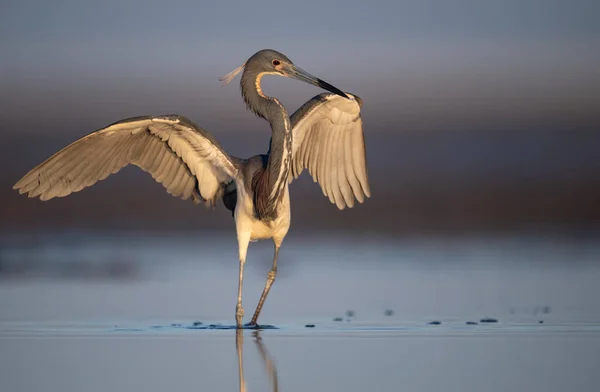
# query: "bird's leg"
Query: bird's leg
270,279
243,241
239,310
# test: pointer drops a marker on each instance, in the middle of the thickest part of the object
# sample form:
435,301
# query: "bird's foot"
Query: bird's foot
239,315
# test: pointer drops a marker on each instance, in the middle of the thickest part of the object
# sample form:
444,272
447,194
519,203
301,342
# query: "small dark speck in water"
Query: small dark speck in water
389,312
488,320
434,322
471,323
349,313
541,322
338,319
196,323
176,325
309,326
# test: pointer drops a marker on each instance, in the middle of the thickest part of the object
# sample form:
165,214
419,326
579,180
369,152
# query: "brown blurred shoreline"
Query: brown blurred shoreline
422,182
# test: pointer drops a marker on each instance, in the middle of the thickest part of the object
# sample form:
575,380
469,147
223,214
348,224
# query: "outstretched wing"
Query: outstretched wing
328,140
181,156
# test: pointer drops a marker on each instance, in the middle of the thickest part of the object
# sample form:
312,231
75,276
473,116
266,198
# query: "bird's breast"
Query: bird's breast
263,229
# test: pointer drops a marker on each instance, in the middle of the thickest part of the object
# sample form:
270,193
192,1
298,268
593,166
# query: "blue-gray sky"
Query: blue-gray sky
480,74
415,62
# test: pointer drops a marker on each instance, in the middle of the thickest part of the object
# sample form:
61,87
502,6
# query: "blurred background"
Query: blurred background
478,115
481,117
482,126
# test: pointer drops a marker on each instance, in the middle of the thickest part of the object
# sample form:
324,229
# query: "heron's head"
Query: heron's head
272,62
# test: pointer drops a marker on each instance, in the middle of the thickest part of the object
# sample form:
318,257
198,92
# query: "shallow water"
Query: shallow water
117,313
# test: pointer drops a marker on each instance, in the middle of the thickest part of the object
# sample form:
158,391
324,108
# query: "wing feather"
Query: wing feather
334,180
175,185
326,168
160,164
315,152
314,161
80,180
349,169
306,154
328,140
184,158
188,187
164,169
343,177
360,163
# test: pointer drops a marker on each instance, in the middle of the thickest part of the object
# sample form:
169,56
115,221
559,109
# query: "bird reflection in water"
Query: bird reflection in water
264,354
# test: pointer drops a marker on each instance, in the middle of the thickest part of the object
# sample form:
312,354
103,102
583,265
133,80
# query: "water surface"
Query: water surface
92,312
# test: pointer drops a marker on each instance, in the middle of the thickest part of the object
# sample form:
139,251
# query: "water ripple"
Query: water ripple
82,329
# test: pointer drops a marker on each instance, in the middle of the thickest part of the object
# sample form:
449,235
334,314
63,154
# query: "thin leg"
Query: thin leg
239,345
243,241
239,310
270,279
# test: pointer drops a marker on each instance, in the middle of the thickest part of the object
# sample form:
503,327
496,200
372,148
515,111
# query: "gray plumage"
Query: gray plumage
329,142
324,136
185,159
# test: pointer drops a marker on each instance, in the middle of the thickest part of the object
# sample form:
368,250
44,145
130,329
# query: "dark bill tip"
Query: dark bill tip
300,74
326,86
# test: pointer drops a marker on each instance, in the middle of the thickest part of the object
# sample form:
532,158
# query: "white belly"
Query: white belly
259,230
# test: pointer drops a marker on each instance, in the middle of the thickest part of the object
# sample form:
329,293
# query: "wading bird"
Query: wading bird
324,136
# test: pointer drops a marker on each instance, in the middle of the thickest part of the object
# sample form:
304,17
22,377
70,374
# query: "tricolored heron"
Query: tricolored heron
324,136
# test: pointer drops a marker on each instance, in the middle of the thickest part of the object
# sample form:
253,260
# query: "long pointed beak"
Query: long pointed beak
298,73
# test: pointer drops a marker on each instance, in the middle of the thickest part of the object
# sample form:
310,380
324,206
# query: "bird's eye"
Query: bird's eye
276,62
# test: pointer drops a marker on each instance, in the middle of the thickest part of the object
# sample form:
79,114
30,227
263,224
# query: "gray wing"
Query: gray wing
185,159
328,140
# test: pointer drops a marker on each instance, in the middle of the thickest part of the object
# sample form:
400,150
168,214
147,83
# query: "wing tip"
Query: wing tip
21,189
23,182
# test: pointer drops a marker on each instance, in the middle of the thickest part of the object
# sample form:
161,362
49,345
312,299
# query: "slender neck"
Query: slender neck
265,107
278,166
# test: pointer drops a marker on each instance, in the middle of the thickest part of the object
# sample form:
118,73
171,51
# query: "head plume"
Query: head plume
229,77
